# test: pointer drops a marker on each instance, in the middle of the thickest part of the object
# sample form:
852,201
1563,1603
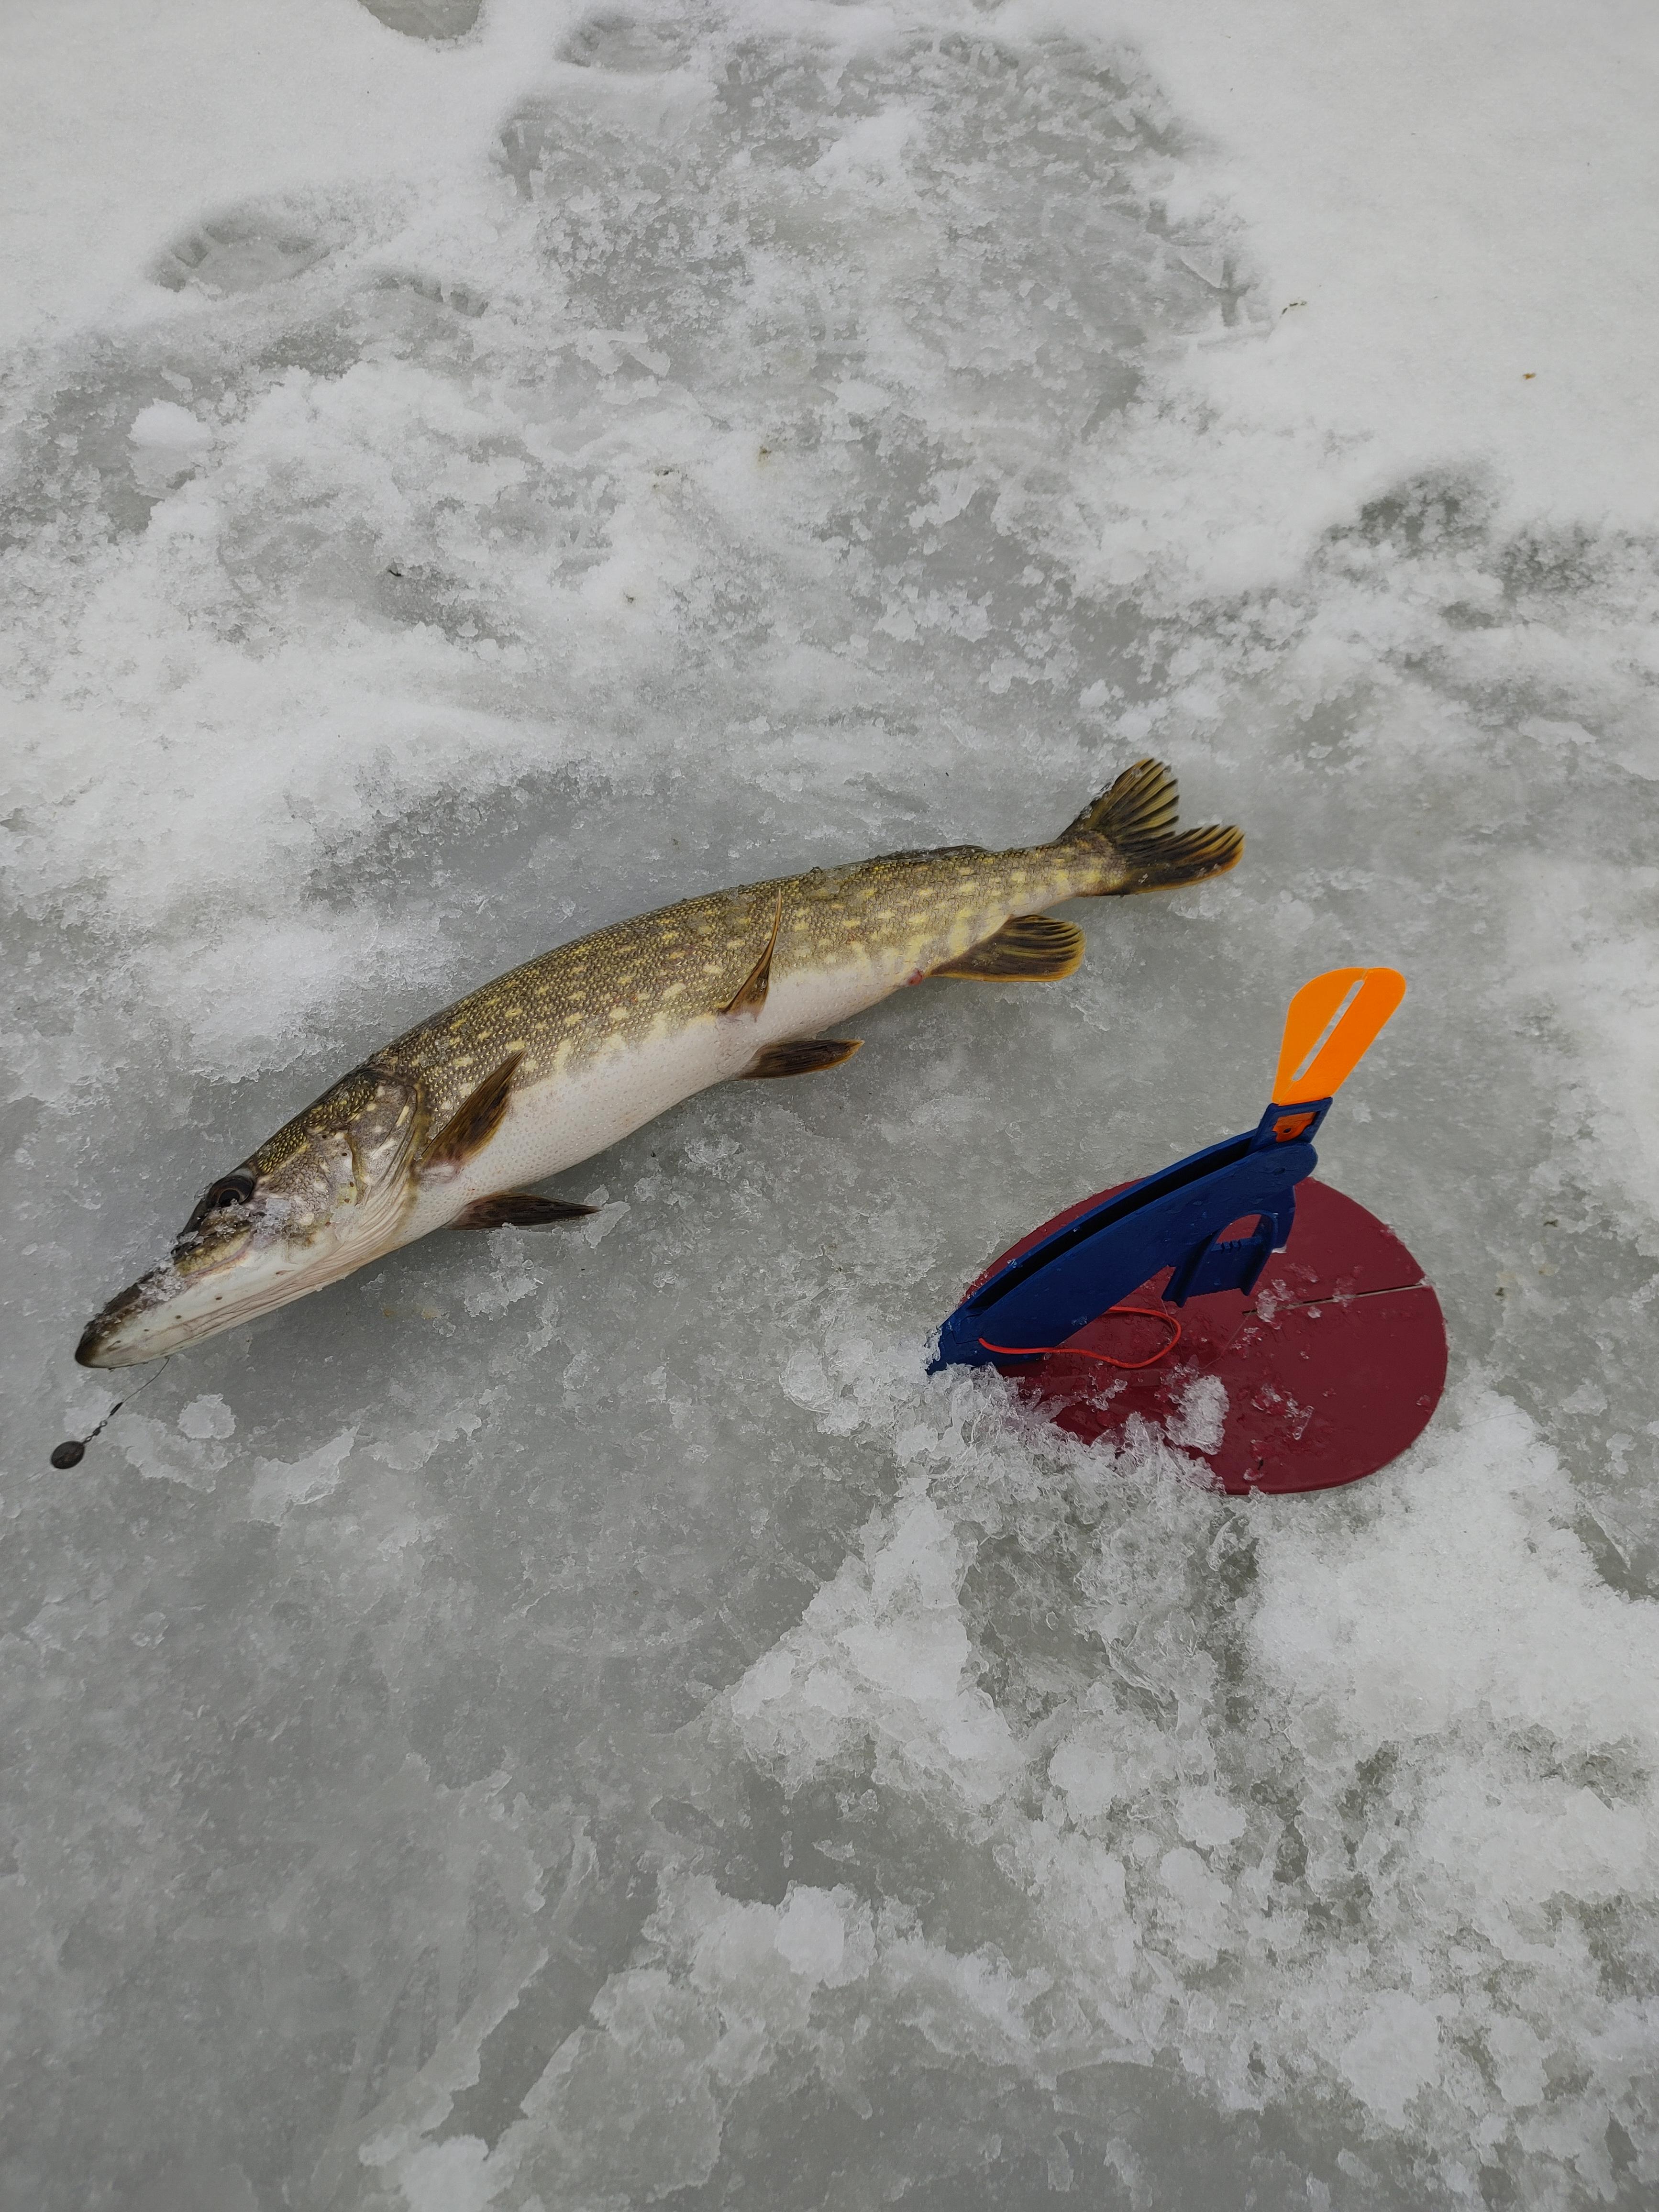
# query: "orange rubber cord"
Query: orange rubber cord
1077,1351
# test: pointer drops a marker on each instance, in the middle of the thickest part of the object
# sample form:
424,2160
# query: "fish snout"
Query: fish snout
213,1282
192,1295
126,1331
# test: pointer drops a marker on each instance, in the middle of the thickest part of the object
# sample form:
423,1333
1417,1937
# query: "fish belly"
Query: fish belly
567,1118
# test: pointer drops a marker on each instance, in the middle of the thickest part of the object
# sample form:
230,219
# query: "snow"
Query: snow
583,1722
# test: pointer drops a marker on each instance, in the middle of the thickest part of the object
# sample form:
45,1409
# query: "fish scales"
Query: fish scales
562,1056
638,981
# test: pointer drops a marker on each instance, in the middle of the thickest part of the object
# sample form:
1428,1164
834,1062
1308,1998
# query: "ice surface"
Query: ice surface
583,1722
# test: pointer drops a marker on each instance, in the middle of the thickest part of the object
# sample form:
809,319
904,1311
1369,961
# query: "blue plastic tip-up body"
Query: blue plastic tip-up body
1174,1219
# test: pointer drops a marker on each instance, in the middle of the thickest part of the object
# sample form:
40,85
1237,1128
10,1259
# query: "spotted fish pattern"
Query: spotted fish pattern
557,1059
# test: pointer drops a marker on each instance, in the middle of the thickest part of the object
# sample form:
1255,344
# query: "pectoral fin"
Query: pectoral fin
472,1124
1032,948
806,1056
518,1209
752,995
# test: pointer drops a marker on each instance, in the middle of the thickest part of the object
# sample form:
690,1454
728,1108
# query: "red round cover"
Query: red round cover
1328,1368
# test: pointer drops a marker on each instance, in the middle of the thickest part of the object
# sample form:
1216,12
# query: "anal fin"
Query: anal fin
1032,948
518,1209
804,1056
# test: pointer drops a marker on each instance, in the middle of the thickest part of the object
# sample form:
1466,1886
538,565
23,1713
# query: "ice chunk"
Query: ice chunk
279,1486
207,1416
811,1934
1202,1419
1394,2055
167,442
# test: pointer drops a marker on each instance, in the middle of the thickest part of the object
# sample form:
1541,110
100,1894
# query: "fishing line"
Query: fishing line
73,1450
1077,1351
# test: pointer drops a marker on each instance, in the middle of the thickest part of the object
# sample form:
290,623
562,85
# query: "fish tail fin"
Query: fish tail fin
1131,830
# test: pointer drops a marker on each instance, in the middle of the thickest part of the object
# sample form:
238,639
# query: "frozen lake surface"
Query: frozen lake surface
583,1722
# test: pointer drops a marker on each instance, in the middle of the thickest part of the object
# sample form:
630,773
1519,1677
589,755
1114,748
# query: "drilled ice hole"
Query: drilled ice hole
426,19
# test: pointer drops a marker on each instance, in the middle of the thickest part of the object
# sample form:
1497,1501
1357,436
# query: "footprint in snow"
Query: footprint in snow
243,250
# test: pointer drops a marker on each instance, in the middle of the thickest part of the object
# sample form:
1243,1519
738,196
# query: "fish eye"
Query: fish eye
233,1189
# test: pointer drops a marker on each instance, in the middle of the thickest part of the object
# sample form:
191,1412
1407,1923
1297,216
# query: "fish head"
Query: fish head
327,1192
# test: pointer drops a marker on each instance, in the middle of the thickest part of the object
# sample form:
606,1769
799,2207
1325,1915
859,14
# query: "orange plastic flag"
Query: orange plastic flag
1331,1024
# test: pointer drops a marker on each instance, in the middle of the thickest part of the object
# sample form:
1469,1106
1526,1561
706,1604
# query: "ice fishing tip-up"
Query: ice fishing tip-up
1176,1218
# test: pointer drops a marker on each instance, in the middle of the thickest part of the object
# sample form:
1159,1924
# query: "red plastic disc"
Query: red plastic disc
1325,1370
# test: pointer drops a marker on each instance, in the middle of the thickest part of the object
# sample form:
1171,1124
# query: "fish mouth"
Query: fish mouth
171,1308
106,1340
204,1289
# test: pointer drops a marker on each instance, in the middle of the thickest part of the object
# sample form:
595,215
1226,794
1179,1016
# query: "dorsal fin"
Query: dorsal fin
750,995
1032,948
473,1123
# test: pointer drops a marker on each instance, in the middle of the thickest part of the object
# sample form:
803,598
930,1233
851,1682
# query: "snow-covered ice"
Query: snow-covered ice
583,1722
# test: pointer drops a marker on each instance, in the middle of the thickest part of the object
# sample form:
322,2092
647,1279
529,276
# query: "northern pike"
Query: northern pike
561,1057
